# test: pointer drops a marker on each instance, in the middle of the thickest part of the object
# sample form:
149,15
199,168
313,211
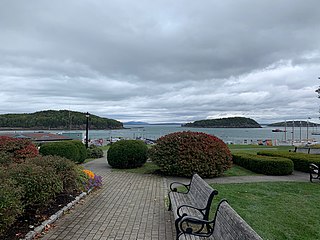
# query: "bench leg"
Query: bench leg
170,205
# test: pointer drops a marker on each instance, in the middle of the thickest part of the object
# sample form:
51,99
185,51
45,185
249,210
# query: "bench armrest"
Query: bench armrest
313,166
195,226
200,210
174,189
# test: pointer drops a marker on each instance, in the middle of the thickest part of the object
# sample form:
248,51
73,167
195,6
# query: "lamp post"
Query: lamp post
308,129
87,129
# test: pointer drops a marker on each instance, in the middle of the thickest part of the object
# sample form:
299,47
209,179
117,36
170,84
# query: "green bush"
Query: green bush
127,154
71,175
40,184
65,149
94,152
82,150
10,201
186,153
301,161
263,164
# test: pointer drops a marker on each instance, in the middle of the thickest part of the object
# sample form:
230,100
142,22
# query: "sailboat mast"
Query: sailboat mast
285,130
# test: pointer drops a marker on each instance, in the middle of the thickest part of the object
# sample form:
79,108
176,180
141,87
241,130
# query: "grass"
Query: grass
150,167
147,168
277,210
236,148
236,170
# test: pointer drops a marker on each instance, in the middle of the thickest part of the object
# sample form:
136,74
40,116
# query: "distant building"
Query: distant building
74,135
39,137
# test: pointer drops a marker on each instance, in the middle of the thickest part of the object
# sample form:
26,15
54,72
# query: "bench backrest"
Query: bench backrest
202,193
229,225
302,150
314,151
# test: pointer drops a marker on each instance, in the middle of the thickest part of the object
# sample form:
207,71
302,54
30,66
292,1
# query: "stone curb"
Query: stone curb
30,235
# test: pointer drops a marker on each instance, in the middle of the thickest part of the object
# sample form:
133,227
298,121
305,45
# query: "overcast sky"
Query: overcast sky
162,61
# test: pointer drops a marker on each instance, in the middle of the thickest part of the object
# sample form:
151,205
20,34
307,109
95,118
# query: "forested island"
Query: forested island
56,120
294,123
232,122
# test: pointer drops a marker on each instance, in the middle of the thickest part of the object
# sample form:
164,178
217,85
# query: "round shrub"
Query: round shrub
63,149
127,154
71,175
82,150
10,202
94,152
186,153
40,184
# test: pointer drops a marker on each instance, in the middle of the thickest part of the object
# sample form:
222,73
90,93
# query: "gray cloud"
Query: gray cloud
161,60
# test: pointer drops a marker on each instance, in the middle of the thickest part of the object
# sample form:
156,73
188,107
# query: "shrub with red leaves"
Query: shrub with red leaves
186,153
18,149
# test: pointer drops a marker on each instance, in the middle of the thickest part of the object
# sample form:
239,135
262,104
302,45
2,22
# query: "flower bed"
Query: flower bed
34,187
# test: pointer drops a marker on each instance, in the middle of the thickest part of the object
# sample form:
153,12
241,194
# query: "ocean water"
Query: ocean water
228,135
234,135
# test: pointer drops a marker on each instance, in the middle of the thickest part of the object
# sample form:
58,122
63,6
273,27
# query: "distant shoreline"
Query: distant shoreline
55,129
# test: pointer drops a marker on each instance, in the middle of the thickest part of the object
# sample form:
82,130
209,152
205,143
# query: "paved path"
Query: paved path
131,206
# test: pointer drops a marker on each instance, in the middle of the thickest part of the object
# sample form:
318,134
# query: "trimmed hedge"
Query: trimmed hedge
301,161
186,153
65,149
263,164
127,154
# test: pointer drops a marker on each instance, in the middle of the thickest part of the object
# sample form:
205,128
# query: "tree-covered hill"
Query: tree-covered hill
232,122
51,119
295,123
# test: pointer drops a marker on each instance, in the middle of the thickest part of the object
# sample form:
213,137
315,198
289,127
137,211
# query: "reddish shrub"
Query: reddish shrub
19,149
186,153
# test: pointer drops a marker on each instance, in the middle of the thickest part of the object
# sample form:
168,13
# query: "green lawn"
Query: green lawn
278,210
147,168
236,170
236,148
150,167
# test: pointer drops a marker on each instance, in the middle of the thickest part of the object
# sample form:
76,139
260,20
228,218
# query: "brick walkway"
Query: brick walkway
129,206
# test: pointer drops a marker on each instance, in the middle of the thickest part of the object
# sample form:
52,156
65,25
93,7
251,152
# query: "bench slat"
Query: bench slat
229,225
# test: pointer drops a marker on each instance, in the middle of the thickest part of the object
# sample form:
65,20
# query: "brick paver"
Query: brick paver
129,206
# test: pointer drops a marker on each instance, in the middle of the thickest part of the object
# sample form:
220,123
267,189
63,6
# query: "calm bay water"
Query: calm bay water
228,135
235,135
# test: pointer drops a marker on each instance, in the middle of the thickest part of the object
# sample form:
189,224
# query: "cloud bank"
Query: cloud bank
161,61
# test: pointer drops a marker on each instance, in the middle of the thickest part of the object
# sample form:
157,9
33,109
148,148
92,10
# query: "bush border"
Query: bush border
277,166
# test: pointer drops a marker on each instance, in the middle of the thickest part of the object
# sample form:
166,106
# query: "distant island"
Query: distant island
296,124
55,120
232,122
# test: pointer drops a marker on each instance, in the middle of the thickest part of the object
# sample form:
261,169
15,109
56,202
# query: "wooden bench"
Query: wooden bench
314,171
195,201
191,213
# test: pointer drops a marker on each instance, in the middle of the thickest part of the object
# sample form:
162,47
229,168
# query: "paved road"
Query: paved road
131,206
